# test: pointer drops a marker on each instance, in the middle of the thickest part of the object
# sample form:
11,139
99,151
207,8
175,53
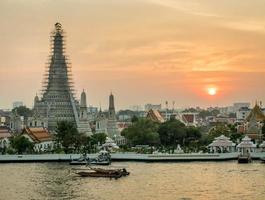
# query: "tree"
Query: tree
22,111
98,138
142,132
218,131
134,119
193,133
21,144
172,132
235,137
68,136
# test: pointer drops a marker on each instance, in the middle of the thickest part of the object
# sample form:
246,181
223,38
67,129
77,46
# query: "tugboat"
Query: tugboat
103,158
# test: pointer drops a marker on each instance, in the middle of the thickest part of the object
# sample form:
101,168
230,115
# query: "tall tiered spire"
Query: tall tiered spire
58,102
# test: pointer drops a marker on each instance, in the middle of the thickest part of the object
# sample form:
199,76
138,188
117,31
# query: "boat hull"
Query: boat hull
244,160
87,163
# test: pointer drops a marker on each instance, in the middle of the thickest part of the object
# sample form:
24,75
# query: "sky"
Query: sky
144,51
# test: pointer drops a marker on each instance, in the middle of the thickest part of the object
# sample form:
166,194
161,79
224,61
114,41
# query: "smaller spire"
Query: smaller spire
83,99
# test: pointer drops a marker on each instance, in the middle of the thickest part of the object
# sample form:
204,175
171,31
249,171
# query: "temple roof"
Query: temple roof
256,113
155,116
38,134
246,143
222,141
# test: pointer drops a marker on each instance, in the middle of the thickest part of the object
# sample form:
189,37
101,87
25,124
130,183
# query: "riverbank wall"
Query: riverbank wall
119,157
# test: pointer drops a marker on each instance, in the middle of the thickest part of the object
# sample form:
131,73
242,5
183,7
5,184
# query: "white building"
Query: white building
5,136
246,146
238,105
222,144
149,106
242,113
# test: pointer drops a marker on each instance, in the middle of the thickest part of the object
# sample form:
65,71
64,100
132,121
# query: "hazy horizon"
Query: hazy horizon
144,51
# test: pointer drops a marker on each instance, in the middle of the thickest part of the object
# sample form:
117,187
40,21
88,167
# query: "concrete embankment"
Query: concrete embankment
126,157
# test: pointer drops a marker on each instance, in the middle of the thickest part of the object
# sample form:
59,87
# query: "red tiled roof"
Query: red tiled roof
38,134
188,118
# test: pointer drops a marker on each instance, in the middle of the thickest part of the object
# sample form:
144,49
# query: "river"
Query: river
152,181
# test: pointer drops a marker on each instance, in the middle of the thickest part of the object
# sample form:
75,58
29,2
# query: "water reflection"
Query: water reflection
167,181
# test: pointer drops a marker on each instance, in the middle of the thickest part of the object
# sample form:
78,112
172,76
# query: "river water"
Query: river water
154,181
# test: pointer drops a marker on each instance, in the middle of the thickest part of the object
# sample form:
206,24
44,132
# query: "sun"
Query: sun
212,91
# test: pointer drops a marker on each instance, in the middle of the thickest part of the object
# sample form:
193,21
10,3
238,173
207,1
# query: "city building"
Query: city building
149,106
238,105
4,118
242,113
5,135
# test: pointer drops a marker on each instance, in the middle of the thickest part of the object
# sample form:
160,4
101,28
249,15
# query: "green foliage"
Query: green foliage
193,133
98,138
68,136
23,111
172,132
218,131
236,136
21,144
142,132
134,119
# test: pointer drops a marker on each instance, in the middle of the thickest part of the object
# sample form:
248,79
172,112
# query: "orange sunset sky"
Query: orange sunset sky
145,51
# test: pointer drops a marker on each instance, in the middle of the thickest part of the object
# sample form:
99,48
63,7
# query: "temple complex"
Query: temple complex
254,123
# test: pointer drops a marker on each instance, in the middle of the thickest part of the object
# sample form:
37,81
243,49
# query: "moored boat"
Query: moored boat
244,159
103,158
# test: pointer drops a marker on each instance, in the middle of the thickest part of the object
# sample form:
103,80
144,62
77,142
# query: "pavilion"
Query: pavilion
222,144
246,146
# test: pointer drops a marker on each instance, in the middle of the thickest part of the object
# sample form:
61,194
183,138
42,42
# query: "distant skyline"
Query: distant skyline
195,52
